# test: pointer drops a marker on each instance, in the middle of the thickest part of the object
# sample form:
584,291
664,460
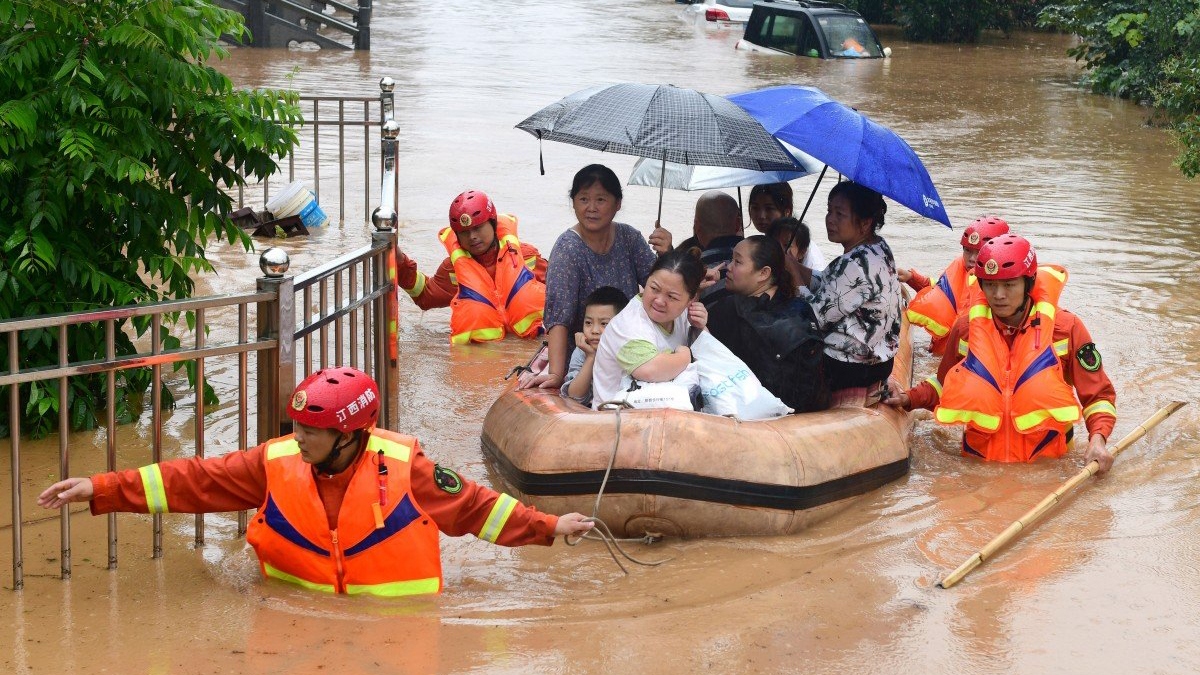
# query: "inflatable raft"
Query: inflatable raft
689,474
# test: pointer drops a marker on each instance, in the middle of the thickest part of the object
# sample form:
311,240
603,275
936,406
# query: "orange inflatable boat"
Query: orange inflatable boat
690,474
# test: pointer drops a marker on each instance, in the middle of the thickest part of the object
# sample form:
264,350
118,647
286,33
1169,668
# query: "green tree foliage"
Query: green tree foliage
1145,50
115,137
956,21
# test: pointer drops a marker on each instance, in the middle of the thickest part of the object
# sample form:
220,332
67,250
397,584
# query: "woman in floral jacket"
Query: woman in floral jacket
857,298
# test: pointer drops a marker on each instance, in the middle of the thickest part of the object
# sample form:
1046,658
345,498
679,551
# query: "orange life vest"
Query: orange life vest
935,308
390,554
1014,402
484,306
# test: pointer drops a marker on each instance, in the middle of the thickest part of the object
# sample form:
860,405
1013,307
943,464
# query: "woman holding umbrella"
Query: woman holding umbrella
596,252
857,299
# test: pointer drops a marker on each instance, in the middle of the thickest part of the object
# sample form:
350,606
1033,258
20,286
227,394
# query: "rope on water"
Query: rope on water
601,531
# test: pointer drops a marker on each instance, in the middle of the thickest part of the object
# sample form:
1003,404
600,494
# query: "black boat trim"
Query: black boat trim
696,487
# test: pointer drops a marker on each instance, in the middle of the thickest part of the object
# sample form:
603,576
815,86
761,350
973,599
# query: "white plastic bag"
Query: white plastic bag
675,394
728,385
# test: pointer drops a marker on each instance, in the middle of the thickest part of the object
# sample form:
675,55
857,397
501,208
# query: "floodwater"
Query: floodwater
1109,584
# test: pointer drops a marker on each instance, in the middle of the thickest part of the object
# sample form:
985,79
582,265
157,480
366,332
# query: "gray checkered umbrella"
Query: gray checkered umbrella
665,122
661,121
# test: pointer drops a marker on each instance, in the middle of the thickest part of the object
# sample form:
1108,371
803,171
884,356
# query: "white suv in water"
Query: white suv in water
719,11
824,30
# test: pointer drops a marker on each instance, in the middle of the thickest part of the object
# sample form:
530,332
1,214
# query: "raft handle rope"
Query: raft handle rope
601,530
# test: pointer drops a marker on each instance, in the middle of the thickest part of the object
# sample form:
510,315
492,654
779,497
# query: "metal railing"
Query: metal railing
342,313
276,23
340,117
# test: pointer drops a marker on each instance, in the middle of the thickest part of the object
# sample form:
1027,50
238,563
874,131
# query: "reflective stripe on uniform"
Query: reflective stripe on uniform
1065,415
283,449
935,328
962,347
1105,407
396,588
980,312
494,524
480,335
531,263
418,288
155,490
936,384
1062,347
523,325
949,416
397,451
1060,275
274,573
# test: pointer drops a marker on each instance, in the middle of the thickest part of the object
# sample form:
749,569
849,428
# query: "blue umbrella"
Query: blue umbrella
864,151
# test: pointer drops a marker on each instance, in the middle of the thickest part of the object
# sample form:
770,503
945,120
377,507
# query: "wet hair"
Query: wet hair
606,296
596,173
686,263
864,202
766,251
792,230
780,194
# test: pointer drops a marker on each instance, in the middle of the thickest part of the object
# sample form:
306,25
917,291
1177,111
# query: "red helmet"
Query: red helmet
339,398
469,209
981,230
1007,256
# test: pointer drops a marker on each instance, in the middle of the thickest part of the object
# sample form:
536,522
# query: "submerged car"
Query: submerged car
826,30
719,11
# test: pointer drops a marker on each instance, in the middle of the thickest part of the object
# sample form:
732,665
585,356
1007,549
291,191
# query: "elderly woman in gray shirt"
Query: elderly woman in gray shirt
595,252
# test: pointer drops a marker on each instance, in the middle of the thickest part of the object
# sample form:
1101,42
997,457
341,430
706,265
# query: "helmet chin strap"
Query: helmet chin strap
325,466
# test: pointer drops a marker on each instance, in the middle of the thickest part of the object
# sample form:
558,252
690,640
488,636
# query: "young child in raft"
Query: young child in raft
795,238
598,309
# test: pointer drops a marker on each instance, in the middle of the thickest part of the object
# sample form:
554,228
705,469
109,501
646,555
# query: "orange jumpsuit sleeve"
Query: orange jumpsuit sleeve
1095,391
426,292
473,507
231,482
534,261
917,281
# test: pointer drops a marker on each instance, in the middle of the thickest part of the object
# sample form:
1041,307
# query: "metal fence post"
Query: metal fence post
256,22
363,39
276,367
385,220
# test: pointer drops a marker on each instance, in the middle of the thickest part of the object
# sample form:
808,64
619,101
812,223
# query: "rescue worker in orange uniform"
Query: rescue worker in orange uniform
493,283
343,507
936,306
1018,355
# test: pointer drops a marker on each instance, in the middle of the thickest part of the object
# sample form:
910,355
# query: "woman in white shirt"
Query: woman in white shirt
647,340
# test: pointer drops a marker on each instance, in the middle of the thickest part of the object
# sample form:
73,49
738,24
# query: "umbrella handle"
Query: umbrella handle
811,195
662,181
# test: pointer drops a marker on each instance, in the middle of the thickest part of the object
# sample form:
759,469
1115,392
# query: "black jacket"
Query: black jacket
779,341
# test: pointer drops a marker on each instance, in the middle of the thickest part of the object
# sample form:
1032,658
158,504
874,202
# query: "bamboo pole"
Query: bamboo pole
1035,514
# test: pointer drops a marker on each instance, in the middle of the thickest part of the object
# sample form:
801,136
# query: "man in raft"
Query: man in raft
492,282
343,507
937,305
1018,355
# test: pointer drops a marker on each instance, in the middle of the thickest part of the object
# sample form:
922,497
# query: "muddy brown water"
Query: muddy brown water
1109,584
